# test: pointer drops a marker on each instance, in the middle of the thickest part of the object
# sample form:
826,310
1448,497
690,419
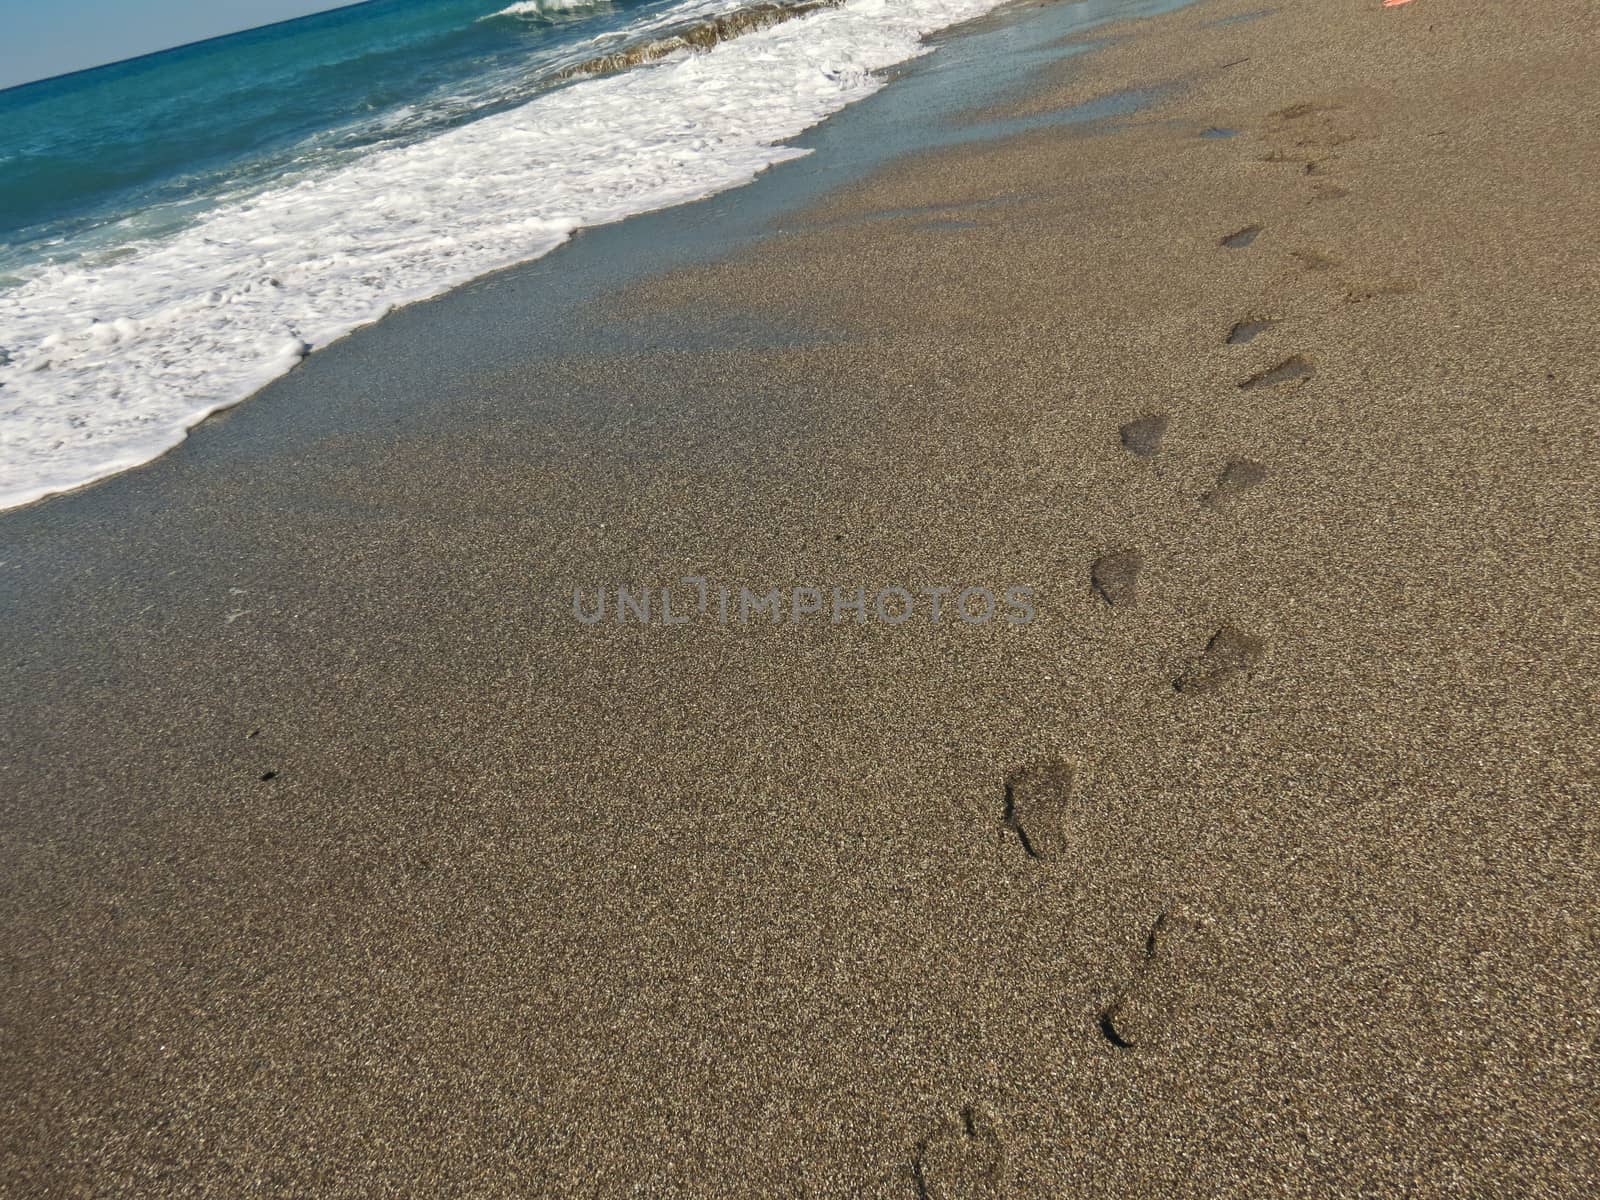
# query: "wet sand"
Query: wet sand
341,860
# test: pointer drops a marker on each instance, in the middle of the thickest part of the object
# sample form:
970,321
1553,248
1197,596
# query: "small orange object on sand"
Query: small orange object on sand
1395,3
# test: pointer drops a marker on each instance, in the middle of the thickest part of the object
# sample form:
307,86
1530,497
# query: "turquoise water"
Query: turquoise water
155,141
179,230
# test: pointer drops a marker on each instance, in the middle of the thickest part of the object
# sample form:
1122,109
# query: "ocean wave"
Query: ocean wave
544,8
698,35
106,366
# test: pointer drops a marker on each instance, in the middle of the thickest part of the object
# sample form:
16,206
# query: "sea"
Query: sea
177,230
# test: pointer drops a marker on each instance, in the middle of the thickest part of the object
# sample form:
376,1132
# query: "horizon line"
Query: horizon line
216,37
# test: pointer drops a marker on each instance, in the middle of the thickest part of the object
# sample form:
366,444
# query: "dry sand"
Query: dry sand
1262,863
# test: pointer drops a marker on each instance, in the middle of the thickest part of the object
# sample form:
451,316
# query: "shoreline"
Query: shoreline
681,236
346,861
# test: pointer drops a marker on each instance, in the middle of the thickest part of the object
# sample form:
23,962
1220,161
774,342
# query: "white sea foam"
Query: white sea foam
106,367
542,8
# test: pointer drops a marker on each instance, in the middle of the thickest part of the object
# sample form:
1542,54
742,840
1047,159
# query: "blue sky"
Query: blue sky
51,37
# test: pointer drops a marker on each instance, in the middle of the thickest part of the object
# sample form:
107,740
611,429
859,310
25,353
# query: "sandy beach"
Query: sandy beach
342,859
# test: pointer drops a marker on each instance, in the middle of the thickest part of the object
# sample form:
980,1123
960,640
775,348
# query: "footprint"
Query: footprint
1250,329
1291,123
1142,437
1241,239
1115,577
1296,111
1294,369
1314,260
963,1161
1113,1023
1148,1007
1240,475
1228,655
1169,929
1040,804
